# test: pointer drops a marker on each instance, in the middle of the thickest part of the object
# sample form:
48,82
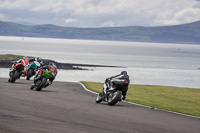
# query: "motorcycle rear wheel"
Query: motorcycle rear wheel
30,74
14,76
114,98
41,85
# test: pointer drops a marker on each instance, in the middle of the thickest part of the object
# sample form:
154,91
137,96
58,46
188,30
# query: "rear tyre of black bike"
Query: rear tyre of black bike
114,98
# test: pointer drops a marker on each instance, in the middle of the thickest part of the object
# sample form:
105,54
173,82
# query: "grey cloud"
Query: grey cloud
101,13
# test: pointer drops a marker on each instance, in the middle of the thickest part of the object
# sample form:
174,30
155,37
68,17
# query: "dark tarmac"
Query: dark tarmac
65,107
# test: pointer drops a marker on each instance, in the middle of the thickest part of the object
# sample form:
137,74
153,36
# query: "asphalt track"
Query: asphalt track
65,107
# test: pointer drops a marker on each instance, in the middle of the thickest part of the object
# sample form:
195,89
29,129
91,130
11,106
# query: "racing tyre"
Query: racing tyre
30,74
14,76
41,84
114,98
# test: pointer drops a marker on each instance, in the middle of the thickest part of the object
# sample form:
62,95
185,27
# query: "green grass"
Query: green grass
176,99
11,57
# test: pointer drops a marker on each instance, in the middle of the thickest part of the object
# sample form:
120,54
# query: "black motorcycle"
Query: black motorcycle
110,94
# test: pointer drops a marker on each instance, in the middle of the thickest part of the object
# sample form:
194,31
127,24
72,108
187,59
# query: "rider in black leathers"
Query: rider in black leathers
121,80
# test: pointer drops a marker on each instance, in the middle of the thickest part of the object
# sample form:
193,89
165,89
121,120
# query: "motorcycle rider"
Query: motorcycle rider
25,63
38,61
51,67
121,79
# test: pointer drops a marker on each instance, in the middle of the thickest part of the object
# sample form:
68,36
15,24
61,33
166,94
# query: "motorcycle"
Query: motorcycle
32,69
110,95
43,80
17,70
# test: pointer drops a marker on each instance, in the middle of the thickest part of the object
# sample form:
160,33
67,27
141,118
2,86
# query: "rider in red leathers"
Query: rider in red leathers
25,63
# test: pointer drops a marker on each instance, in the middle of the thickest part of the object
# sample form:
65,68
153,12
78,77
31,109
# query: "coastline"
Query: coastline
6,63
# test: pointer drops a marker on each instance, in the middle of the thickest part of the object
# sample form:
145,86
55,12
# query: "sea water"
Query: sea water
146,63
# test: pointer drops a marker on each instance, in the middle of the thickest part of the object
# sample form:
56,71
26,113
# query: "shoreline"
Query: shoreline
7,60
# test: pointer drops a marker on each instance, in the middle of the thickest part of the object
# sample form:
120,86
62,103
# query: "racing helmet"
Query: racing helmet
124,73
38,59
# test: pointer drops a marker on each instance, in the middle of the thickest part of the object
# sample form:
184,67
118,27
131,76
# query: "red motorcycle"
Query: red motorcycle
18,69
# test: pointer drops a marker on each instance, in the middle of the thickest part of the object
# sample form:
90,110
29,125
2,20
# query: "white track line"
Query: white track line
142,105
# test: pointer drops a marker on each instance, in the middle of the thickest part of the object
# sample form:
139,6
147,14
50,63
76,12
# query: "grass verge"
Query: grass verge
11,57
176,99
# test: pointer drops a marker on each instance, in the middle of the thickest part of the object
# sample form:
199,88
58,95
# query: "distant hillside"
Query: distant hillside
186,33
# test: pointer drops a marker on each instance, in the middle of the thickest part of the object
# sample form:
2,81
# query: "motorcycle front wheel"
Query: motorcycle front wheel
114,97
30,74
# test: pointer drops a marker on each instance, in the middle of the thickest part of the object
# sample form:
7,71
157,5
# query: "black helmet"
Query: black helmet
124,73
38,59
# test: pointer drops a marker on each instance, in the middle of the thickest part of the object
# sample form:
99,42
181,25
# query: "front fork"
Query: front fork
11,70
36,77
105,88
36,74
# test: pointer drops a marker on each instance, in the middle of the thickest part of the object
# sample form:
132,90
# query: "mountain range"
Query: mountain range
185,33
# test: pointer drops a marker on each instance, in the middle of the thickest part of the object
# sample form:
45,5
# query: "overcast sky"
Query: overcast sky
100,13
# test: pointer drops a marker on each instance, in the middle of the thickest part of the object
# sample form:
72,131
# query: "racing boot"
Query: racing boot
32,86
123,97
103,95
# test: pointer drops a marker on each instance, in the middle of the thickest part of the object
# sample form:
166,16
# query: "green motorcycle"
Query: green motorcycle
42,80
